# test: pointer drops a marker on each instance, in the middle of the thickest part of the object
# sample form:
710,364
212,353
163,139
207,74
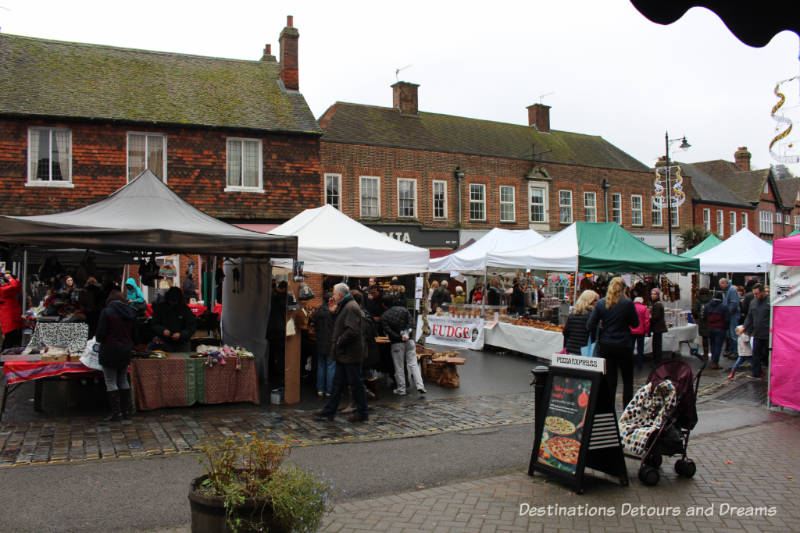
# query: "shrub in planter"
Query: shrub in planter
246,487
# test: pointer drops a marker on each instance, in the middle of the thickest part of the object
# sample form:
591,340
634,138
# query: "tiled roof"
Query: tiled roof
84,81
747,185
707,189
372,125
787,190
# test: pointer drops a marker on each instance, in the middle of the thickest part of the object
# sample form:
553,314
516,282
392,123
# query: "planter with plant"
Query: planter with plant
246,487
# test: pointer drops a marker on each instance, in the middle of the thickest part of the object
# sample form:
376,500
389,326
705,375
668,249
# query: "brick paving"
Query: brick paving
73,439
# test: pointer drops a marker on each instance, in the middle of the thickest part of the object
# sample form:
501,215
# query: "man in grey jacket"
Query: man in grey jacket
349,350
756,324
731,300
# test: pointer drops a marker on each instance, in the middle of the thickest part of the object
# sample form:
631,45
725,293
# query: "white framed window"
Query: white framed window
369,194
439,200
675,216
243,165
766,187
616,208
797,222
147,151
406,198
778,217
565,207
657,215
744,220
333,190
720,223
49,157
765,222
508,211
477,201
538,203
590,206
636,210
707,219
732,218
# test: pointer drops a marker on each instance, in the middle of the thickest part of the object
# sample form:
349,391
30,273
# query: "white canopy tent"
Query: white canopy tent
472,259
742,252
330,242
559,253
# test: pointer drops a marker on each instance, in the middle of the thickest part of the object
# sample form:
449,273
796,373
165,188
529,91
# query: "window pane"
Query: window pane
537,205
507,213
616,208
477,202
332,191
406,192
60,159
565,207
136,157
40,155
234,163
250,163
155,155
439,199
369,197
657,216
636,210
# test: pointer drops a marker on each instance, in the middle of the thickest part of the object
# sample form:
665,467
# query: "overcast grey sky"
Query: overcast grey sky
604,68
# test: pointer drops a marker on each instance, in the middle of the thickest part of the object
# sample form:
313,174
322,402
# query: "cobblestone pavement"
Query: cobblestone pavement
747,480
70,439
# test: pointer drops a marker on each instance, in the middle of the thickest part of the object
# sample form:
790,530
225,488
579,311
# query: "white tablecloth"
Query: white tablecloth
525,339
671,339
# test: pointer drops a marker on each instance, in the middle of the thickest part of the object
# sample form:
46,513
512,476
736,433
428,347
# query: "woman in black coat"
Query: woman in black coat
114,334
576,335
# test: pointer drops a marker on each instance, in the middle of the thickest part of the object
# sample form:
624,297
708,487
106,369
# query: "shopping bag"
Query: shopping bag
91,355
590,350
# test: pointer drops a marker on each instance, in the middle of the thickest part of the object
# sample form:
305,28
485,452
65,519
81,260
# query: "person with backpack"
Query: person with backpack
641,330
398,325
717,320
703,298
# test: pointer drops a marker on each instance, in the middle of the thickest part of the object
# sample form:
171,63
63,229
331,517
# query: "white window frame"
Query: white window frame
707,219
590,206
616,212
766,187
147,136
744,220
660,218
720,223
338,179
481,202
512,203
732,220
676,216
796,219
565,207
635,210
361,180
778,217
242,188
31,180
416,197
544,189
765,222
443,183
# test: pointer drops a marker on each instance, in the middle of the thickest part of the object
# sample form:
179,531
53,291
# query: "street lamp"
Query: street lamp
684,145
605,186
459,175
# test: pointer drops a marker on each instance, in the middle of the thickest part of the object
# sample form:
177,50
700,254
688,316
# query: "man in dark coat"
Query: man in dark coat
398,325
173,322
756,324
349,350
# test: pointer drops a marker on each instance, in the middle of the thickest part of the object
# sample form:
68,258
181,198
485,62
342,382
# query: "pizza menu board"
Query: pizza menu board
560,444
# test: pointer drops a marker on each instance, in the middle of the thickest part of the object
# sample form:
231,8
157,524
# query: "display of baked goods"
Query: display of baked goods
540,324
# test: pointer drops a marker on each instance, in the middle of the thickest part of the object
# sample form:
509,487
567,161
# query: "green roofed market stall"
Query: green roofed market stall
708,243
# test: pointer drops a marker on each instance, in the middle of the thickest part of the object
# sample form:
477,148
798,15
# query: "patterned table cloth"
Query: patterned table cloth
180,380
72,335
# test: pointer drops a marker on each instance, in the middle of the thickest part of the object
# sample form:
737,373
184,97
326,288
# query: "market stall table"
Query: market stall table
525,339
671,339
181,380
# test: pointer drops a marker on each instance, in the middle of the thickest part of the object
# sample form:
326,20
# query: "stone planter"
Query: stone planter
208,514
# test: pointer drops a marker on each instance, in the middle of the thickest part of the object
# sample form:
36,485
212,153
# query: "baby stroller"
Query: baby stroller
659,418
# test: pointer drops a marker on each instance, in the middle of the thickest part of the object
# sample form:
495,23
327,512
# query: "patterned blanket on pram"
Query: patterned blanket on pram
644,415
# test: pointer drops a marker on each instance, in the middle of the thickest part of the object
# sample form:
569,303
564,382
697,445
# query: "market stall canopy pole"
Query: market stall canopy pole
145,214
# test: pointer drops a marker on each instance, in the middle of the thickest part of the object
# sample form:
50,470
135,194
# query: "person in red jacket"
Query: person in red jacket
640,331
10,310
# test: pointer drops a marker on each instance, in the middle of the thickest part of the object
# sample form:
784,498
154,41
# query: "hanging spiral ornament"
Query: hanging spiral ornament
783,122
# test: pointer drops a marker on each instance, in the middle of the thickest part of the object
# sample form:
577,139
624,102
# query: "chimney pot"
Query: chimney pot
267,55
539,117
405,98
742,158
289,21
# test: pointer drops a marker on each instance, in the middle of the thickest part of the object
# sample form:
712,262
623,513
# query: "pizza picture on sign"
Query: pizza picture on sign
564,449
558,425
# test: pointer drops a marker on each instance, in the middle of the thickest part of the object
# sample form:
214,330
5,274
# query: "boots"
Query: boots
114,403
371,386
126,404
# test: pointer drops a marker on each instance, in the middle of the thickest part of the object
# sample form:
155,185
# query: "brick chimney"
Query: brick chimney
539,117
405,98
742,158
267,55
290,74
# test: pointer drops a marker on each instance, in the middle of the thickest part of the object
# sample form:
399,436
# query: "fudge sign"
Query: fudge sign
464,332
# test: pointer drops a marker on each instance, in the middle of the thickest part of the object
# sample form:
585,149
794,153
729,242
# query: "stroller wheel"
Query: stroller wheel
685,467
649,475
654,460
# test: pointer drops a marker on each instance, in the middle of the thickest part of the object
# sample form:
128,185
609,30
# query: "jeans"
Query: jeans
347,375
733,339
638,341
404,354
717,338
760,349
326,369
739,363
619,356
115,378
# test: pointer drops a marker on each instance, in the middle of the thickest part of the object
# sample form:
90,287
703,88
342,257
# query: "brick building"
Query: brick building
234,138
438,180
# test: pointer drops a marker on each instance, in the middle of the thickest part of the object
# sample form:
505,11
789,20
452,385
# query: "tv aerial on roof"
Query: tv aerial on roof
397,72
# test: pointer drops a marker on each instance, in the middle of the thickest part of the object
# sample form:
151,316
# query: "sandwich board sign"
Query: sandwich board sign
580,425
